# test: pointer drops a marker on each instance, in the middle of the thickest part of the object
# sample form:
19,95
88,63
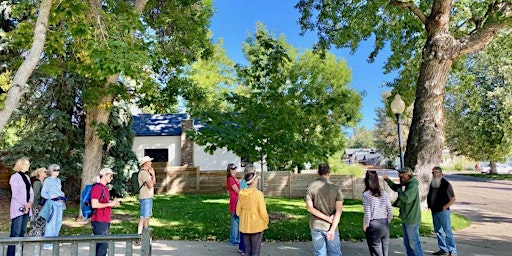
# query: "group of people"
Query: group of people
324,202
249,216
42,202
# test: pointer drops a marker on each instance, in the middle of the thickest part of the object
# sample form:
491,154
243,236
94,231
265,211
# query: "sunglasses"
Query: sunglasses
234,168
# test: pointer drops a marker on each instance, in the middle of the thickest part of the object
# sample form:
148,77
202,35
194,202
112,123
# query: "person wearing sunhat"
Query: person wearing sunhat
410,210
147,181
102,205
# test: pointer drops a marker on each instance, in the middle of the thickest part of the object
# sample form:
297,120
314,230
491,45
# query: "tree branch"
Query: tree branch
29,64
480,38
412,7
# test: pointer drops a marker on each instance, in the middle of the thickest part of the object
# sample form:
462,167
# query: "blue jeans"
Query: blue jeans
99,229
234,233
322,246
412,241
377,237
18,228
443,230
52,227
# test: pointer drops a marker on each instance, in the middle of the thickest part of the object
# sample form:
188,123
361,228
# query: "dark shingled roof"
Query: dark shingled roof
158,125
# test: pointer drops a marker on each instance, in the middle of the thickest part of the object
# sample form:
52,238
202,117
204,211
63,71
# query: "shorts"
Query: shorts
146,208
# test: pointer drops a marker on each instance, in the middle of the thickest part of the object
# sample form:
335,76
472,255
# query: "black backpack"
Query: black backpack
135,183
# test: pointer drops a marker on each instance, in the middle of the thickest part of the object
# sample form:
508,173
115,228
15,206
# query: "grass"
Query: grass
490,176
206,217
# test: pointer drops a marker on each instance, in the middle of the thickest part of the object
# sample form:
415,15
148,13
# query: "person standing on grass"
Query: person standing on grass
253,215
243,185
324,201
410,211
37,224
439,199
21,201
52,192
377,215
233,186
147,181
102,205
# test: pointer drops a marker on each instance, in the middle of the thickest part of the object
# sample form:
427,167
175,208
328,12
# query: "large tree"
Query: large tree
107,42
426,38
13,90
291,111
479,105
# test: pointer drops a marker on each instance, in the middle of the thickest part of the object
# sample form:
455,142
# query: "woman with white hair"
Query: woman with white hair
52,192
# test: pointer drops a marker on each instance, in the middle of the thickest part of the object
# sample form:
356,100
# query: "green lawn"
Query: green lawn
490,176
206,217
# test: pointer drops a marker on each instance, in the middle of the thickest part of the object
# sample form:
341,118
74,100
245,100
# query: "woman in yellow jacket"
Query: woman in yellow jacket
253,215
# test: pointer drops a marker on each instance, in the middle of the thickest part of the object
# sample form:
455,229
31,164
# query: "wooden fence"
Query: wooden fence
188,180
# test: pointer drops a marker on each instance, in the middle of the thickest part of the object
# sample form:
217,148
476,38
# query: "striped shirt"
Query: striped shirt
376,207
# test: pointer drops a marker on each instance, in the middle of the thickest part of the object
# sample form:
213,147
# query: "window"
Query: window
158,155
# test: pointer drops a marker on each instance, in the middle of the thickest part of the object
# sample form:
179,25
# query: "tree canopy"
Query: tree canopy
478,119
292,110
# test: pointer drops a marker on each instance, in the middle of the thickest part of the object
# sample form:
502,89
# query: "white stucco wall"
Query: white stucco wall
171,143
206,162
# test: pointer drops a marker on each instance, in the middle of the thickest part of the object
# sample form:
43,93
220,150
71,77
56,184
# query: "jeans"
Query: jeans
52,227
234,233
412,241
322,246
241,245
443,230
377,237
99,229
18,228
253,243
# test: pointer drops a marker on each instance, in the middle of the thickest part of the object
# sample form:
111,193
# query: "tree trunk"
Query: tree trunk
426,135
29,64
93,153
492,168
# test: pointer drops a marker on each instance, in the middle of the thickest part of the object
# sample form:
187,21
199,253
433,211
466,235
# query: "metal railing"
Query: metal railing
70,244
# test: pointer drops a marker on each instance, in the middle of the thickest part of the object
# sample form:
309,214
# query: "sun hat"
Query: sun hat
106,171
252,179
145,159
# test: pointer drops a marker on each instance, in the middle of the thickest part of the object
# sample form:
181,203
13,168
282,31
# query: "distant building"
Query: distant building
364,156
162,137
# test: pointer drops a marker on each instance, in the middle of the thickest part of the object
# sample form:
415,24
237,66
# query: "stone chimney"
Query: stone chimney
187,146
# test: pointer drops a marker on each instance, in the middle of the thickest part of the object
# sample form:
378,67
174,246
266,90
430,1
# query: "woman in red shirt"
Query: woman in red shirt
233,186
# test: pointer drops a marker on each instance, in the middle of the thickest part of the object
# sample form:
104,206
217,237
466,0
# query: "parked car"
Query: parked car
500,168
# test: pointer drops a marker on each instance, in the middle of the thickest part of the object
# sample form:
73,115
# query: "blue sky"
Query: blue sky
234,20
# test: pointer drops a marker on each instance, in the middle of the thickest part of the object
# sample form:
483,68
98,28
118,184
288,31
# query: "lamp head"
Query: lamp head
397,105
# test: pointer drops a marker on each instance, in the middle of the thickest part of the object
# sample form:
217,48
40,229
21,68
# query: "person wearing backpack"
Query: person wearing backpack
147,181
102,205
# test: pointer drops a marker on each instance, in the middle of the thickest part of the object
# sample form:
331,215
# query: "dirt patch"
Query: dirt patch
277,216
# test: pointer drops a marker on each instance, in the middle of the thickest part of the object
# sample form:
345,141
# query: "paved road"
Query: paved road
488,205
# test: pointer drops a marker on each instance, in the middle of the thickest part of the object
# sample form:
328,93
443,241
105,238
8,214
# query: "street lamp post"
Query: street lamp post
398,107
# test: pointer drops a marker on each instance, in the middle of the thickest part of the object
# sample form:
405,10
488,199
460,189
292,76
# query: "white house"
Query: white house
162,137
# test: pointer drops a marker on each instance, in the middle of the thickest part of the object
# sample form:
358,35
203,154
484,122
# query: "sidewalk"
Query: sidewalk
207,248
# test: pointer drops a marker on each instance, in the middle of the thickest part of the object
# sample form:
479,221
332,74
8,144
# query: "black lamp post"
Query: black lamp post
398,107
